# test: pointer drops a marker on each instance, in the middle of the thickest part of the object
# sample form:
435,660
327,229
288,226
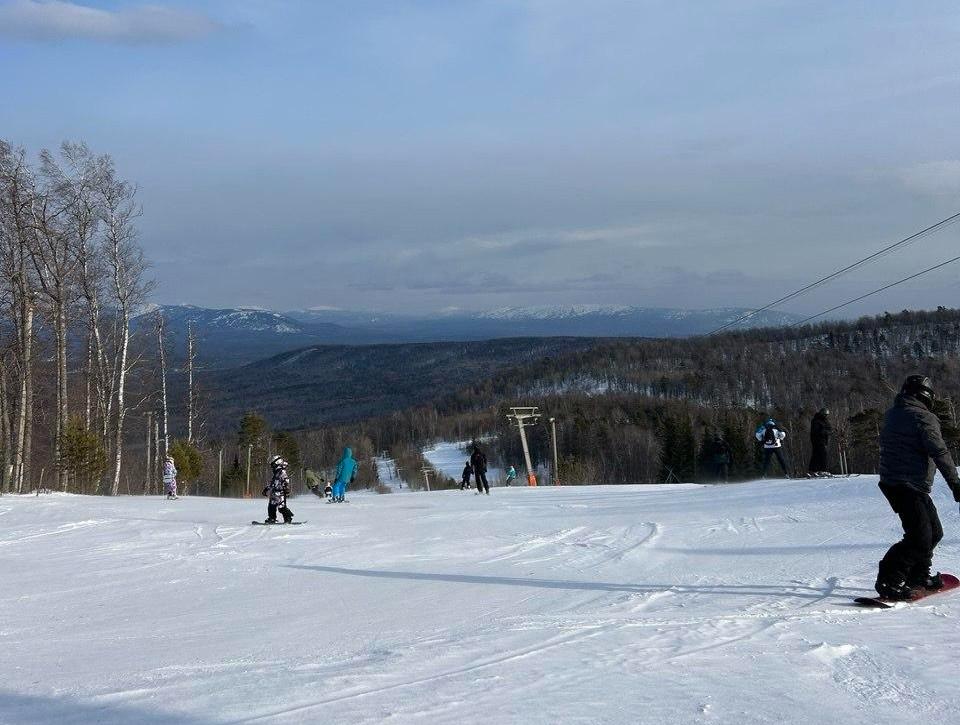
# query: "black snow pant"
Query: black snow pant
769,453
464,483
721,471
272,509
910,558
818,458
481,477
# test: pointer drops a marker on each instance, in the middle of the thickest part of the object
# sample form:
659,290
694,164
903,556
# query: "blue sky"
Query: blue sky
419,155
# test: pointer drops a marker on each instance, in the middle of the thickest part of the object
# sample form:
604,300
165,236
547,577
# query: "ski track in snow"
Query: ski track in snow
576,604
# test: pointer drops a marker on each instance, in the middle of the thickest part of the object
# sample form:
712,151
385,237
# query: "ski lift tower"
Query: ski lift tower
524,418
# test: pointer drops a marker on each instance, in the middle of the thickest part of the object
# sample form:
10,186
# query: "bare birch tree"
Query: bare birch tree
191,355
127,270
19,294
161,351
60,217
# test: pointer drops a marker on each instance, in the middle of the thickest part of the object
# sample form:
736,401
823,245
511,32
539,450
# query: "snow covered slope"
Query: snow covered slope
449,458
669,604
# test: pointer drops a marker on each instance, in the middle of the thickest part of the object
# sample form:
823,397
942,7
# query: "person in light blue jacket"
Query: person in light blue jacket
346,472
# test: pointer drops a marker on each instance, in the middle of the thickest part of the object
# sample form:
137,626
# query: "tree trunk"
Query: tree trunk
5,429
25,407
121,404
163,383
190,410
62,410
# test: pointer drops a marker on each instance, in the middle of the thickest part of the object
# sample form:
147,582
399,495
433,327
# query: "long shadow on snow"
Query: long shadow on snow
16,707
772,550
799,591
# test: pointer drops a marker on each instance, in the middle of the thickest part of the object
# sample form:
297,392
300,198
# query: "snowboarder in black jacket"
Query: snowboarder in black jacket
479,462
820,432
720,457
911,450
465,476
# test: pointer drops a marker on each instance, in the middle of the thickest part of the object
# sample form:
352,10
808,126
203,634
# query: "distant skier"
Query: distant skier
772,437
346,472
820,432
478,460
720,457
328,491
910,439
277,490
465,476
511,475
170,478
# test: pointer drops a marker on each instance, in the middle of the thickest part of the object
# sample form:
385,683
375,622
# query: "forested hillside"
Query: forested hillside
639,411
332,384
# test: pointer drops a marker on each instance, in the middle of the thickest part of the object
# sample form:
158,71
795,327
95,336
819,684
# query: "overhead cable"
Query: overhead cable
932,229
876,291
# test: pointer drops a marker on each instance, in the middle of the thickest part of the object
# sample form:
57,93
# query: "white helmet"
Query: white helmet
278,462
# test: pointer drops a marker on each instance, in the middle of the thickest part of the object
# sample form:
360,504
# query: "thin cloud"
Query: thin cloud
934,177
50,20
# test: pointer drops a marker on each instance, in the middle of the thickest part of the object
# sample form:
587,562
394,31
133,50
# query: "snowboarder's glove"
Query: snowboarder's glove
265,492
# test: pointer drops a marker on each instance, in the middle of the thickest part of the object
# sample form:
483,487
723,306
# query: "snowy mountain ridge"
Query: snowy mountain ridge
253,319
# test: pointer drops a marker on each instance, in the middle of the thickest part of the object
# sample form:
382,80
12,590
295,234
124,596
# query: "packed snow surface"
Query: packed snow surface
658,604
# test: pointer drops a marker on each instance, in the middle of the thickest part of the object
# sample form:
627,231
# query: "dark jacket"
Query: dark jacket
479,461
719,452
467,472
820,430
912,448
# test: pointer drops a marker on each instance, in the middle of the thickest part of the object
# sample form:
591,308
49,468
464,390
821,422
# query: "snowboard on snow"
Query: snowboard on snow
277,523
950,582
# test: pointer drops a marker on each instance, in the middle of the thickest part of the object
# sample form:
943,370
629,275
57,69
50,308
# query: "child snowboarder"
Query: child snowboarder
465,477
910,439
511,475
278,489
346,472
770,435
170,478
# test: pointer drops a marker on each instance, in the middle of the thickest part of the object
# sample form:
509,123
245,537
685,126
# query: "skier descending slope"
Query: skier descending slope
910,438
770,435
820,432
346,472
170,478
479,462
278,489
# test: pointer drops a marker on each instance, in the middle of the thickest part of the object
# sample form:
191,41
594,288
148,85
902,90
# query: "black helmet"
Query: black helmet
824,411
919,387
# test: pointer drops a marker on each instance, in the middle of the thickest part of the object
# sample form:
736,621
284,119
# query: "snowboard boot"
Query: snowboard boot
929,582
269,521
897,591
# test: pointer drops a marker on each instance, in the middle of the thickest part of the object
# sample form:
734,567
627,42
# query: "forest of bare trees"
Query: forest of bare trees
72,276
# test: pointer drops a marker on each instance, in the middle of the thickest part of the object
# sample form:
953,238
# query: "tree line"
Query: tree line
72,276
645,411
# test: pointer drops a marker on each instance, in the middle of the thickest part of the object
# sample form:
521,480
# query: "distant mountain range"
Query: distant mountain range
230,337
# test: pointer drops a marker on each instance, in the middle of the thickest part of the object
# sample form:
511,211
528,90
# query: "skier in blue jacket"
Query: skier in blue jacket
346,472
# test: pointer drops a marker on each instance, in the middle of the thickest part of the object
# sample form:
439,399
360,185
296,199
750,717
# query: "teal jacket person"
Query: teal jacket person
346,470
